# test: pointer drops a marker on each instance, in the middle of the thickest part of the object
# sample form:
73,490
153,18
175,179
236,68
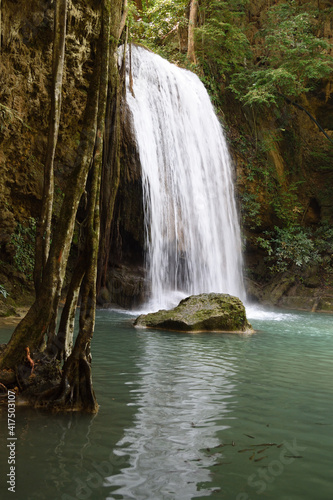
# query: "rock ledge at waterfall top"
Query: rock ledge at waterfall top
217,312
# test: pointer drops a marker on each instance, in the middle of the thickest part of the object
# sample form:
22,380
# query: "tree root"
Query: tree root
75,391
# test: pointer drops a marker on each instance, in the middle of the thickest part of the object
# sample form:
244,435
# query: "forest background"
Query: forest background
268,68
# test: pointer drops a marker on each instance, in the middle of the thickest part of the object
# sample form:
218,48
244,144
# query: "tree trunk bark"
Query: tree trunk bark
110,170
123,18
62,345
43,235
31,330
191,27
76,390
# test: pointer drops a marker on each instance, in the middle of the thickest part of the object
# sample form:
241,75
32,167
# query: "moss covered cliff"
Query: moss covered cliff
284,174
283,162
268,67
25,86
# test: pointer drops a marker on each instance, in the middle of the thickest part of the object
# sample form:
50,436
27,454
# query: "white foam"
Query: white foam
193,242
258,312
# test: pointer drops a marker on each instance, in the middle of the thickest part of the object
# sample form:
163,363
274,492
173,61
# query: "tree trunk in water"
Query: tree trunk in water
43,235
75,391
62,345
191,27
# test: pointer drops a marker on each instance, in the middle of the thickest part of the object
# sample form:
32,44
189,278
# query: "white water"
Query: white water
193,240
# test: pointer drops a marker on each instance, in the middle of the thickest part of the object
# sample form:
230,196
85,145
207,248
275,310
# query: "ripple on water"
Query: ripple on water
177,412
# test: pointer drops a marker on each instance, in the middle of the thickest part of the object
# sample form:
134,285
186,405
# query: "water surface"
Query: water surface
186,416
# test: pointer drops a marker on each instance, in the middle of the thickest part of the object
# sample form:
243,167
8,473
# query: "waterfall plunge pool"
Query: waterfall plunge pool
187,416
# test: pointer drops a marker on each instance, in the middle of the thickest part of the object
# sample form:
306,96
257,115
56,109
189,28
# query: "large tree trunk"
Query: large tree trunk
30,331
110,168
43,235
75,391
123,18
110,180
191,27
62,345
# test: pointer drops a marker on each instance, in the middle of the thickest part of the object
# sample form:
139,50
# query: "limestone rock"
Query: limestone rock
125,286
205,312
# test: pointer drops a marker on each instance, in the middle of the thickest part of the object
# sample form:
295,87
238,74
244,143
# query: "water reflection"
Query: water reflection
166,400
49,449
184,396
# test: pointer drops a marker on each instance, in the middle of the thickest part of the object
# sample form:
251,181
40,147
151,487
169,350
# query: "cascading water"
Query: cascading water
193,240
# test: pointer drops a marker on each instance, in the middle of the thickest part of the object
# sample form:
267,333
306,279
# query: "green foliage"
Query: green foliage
282,199
221,44
260,177
285,203
158,20
296,245
251,208
269,141
322,159
295,58
293,245
324,239
3,291
23,241
294,55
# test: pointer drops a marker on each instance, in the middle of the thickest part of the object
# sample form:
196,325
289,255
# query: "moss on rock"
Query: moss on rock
204,312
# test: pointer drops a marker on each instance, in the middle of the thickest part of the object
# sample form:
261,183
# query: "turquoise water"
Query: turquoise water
186,416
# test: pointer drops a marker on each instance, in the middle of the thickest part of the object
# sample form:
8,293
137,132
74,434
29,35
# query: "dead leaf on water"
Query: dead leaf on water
261,458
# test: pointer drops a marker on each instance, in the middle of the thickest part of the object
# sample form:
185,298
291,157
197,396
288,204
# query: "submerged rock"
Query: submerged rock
205,312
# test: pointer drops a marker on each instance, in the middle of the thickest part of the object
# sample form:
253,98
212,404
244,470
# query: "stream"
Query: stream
185,416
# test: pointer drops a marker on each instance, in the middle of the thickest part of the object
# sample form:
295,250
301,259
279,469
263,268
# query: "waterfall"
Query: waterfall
193,242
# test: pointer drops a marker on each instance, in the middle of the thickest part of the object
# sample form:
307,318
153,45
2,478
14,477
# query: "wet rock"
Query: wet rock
126,287
325,304
312,281
205,312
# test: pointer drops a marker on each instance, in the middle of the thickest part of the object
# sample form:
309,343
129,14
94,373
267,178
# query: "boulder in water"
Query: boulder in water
218,312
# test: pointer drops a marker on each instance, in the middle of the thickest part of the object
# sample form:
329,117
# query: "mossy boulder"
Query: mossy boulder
205,312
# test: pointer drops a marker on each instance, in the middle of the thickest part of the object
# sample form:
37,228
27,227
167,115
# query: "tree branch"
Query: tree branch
123,18
43,236
289,101
191,27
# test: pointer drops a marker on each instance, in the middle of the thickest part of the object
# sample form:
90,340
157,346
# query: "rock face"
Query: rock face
126,286
25,99
205,312
307,290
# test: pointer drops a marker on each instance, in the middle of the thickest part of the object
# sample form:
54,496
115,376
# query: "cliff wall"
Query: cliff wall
283,163
25,85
